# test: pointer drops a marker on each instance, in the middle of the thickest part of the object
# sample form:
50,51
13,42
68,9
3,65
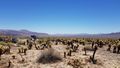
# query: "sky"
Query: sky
61,16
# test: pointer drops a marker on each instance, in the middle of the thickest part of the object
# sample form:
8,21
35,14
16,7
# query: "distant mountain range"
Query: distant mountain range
109,35
28,33
20,33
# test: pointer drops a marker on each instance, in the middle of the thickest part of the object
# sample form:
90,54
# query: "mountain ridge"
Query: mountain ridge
24,32
20,32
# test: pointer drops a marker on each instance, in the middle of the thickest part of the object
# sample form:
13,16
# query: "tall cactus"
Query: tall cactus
93,57
64,54
25,50
69,53
30,45
85,51
93,44
109,47
95,49
9,64
114,49
1,53
118,49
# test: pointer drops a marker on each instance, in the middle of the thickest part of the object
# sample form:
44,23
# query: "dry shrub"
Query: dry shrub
49,56
75,63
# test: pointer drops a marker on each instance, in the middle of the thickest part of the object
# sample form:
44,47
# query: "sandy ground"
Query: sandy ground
104,58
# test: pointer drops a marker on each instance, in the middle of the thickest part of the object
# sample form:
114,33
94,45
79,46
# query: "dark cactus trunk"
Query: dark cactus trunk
19,51
25,50
94,53
69,53
92,44
9,64
85,51
93,57
30,46
1,53
114,49
109,47
64,54
36,47
118,50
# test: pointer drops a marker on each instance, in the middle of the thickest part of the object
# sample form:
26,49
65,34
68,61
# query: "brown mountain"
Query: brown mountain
28,33
20,33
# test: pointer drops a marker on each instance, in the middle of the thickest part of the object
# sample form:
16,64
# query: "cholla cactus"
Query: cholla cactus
85,51
95,49
92,58
64,54
69,53
9,64
13,56
109,47
25,50
118,48
5,49
22,50
114,49
93,43
1,52
75,47
30,45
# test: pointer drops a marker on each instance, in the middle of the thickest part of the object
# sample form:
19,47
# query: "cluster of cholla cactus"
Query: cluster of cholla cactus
116,49
71,47
22,50
5,50
113,45
42,43
71,44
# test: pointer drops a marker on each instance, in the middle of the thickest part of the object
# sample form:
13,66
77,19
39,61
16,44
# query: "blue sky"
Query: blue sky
61,16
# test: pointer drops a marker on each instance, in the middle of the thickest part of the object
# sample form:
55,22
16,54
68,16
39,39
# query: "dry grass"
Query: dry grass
49,56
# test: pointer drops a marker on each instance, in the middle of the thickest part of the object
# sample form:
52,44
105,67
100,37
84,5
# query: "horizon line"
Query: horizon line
85,33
